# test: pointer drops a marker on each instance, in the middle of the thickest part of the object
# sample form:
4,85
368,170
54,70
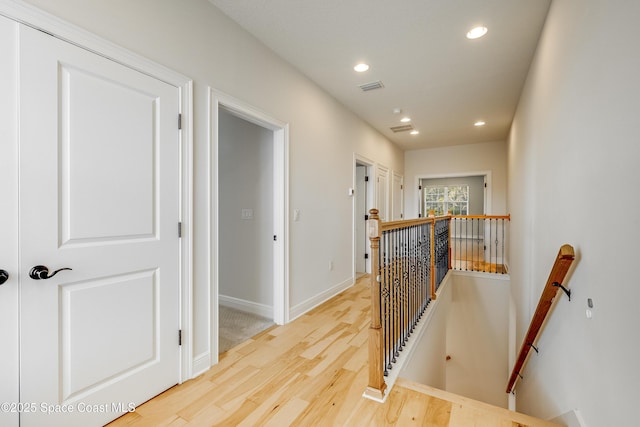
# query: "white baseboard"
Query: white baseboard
322,297
247,306
482,274
201,364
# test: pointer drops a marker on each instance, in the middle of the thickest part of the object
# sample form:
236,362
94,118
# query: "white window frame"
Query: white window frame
445,203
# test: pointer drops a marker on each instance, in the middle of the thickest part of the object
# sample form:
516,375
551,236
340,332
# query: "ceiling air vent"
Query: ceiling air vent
402,128
371,86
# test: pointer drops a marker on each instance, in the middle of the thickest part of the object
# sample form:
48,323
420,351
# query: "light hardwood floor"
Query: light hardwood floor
311,372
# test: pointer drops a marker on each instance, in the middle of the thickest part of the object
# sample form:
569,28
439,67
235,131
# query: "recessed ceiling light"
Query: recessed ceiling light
477,32
479,123
405,120
414,132
361,67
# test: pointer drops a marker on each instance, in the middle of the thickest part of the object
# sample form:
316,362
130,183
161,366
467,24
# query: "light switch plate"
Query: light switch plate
247,213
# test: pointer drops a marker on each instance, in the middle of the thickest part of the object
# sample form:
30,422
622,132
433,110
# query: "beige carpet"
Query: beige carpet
238,326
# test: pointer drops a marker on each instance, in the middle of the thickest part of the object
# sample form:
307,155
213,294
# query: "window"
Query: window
447,198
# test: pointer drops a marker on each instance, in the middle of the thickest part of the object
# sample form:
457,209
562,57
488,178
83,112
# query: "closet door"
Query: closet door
397,197
99,203
8,225
382,200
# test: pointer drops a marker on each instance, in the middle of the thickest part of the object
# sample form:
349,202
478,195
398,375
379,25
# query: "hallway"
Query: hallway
311,372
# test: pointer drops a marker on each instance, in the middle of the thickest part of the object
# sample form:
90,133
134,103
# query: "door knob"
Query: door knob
4,276
40,272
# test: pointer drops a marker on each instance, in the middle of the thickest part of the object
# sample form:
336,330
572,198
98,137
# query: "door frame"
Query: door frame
370,202
40,20
217,100
9,258
487,188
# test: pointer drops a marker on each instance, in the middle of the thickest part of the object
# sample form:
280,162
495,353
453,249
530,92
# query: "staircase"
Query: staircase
410,403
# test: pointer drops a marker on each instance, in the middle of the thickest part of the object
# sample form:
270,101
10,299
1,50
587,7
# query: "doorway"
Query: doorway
462,195
476,194
249,212
245,193
363,201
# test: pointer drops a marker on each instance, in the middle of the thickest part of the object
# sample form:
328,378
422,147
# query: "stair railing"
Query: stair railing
478,243
563,261
409,260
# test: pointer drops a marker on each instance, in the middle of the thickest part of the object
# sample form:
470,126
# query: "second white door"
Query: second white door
99,194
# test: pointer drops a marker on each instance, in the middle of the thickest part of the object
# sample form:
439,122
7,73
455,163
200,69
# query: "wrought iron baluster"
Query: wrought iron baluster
502,247
384,297
490,243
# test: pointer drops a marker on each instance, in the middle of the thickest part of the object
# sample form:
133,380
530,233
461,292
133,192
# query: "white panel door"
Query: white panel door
9,224
362,239
397,195
383,193
99,185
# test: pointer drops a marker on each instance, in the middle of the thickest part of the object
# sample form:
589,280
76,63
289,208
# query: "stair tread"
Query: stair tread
468,403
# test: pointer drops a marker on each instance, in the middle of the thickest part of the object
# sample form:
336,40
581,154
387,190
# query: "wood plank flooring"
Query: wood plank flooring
311,372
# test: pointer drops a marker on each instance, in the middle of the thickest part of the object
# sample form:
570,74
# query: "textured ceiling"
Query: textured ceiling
417,48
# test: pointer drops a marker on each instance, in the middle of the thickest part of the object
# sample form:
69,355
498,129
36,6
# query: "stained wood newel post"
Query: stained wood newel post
376,386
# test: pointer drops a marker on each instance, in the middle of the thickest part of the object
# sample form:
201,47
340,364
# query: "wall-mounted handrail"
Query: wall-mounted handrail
565,257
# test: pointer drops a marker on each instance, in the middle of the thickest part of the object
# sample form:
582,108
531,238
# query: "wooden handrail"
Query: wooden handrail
392,225
507,217
403,223
565,257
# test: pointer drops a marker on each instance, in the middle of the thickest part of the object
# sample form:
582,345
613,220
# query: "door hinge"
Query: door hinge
366,256
485,185
275,238
419,187
179,121
366,217
180,229
180,337
401,187
401,216
366,179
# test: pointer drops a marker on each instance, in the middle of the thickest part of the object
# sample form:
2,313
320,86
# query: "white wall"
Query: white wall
458,160
478,337
197,40
573,176
469,321
426,362
246,182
